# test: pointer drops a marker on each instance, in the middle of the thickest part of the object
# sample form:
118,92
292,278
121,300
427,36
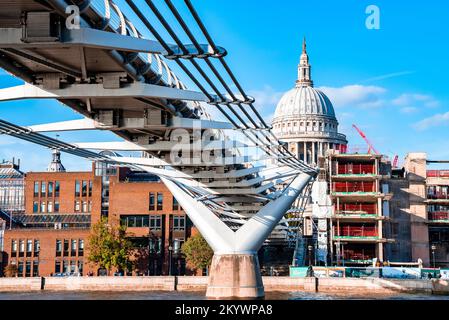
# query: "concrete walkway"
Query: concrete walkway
281,284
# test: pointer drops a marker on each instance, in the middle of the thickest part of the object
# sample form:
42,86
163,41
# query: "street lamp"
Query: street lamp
433,247
170,249
310,254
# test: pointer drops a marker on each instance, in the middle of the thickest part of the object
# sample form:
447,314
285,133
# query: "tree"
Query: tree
109,247
11,271
198,253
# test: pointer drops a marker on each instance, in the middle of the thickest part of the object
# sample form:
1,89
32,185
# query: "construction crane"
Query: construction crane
395,161
370,145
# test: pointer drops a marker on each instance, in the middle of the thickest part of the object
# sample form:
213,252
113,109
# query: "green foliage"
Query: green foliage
11,271
109,248
198,253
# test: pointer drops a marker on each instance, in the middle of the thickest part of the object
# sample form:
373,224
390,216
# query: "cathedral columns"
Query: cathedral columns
305,152
313,153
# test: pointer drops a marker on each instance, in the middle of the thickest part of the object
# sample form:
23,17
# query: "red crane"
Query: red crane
370,145
395,161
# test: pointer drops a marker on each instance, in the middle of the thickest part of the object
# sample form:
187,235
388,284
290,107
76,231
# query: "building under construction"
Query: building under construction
356,204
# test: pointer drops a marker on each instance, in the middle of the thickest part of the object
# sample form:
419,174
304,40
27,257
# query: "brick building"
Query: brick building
420,212
51,236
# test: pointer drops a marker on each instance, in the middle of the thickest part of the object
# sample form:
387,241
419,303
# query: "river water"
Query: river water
155,295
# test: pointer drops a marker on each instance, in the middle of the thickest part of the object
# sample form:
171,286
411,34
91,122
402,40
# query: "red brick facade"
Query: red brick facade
146,206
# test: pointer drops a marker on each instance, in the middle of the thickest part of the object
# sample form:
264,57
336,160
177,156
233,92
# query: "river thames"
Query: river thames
160,295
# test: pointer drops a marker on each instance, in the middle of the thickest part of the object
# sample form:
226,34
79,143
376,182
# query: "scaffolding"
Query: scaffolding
297,226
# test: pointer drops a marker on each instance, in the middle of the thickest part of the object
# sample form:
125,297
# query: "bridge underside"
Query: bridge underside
235,192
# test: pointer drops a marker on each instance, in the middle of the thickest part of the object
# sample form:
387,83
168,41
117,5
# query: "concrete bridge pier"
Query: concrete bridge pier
235,276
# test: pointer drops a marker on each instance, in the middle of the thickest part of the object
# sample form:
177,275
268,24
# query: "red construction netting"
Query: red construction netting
351,231
368,208
358,254
439,215
438,173
359,186
356,169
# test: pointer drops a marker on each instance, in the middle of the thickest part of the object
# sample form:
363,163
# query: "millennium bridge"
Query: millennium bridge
234,179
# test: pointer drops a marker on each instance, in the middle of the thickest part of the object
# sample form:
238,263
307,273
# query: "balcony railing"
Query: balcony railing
438,196
350,255
354,209
356,232
439,216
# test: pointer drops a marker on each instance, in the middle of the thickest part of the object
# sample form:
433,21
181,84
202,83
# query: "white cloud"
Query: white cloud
436,120
408,110
389,75
412,99
267,98
356,96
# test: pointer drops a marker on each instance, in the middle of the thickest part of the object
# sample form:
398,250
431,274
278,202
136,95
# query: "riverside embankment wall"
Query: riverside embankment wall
281,284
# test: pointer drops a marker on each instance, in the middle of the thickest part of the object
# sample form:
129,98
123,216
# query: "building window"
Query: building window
66,248
43,189
90,188
77,189
74,248
36,189
175,204
156,245
72,266
77,206
37,248
80,267
35,207
65,266
29,248
57,188
131,221
84,188
140,221
28,269
85,207
43,207
179,223
20,269
21,248
50,207
14,248
58,248
160,200
81,248
89,209
57,266
35,268
151,208
155,223
50,189
56,206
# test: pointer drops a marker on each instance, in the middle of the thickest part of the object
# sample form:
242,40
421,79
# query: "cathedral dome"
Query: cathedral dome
304,101
305,118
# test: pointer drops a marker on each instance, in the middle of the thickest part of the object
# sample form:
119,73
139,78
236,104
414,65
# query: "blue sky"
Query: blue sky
391,82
